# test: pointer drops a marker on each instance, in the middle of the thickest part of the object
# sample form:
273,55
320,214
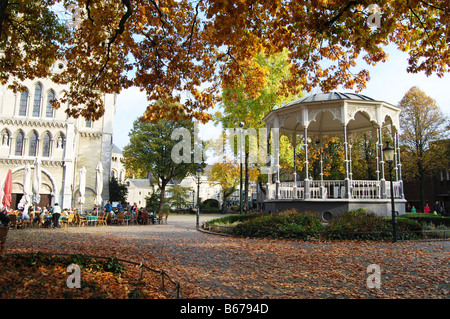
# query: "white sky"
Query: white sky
389,82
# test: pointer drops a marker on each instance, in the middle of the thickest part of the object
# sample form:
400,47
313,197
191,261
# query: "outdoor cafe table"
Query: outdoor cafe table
90,218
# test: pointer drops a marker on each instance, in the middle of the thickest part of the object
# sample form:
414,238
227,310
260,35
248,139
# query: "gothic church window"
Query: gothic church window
46,146
33,144
50,98
23,103
19,144
37,100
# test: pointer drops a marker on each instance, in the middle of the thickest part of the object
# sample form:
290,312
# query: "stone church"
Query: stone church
30,128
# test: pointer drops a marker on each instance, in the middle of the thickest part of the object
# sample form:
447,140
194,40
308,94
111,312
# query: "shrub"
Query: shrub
287,224
408,229
364,225
231,219
428,218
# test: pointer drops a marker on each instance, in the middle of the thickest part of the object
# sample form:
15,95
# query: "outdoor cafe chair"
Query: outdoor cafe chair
145,218
69,220
120,218
102,219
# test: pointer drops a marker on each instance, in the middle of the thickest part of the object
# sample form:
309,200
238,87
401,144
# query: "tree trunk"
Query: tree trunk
162,196
223,203
3,6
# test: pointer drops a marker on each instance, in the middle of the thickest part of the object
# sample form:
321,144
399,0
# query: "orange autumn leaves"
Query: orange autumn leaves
38,276
186,52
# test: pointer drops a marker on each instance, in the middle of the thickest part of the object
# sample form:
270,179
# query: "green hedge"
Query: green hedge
422,218
357,224
288,224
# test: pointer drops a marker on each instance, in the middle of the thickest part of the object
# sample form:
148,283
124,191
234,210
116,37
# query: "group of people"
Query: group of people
52,217
133,209
435,209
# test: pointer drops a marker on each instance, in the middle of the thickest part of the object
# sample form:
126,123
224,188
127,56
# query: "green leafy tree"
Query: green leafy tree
150,149
117,191
179,196
152,201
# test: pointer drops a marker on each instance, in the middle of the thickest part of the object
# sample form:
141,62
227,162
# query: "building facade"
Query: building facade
32,129
117,164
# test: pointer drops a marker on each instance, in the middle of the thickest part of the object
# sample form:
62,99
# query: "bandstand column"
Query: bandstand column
276,145
270,160
294,144
377,148
382,180
323,193
399,166
307,193
346,164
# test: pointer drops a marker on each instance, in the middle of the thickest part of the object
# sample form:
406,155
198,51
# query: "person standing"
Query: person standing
134,210
426,209
56,215
4,218
119,207
108,207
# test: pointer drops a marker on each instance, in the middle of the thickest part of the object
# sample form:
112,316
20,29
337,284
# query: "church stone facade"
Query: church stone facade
31,129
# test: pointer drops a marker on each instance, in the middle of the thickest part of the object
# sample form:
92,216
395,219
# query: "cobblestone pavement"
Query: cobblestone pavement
211,266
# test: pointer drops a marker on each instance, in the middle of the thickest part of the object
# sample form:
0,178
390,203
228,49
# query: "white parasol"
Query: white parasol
98,185
37,180
82,187
26,198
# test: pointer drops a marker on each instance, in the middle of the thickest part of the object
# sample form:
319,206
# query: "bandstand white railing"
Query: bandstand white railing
327,189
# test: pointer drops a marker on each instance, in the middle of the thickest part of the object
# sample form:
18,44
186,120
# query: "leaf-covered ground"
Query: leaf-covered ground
42,276
209,266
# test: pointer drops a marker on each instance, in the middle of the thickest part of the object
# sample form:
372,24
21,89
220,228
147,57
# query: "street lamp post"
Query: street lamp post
199,173
388,153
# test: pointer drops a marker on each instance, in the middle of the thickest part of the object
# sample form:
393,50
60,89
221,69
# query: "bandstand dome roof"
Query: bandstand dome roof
322,97
328,113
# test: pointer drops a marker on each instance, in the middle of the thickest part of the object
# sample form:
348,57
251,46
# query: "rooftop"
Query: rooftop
322,97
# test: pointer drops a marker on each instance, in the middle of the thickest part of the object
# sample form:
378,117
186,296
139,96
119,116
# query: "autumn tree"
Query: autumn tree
422,122
31,39
240,106
225,174
187,50
150,149
332,150
363,156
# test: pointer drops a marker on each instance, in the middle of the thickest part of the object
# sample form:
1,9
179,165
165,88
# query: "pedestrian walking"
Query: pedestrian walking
436,208
56,215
